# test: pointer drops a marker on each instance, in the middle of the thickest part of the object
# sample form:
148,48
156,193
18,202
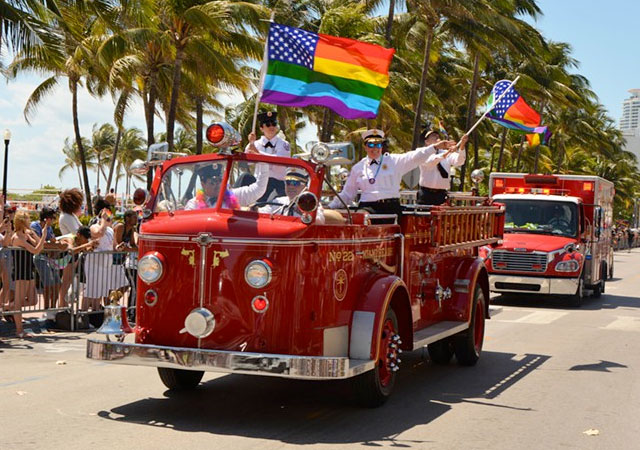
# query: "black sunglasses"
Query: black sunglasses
293,182
270,123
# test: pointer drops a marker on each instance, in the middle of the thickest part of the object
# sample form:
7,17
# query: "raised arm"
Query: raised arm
410,160
247,195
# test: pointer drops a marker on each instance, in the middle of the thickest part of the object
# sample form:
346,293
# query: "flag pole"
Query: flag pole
263,72
492,106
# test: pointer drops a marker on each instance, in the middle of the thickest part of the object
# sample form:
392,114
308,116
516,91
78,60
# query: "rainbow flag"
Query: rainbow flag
345,75
539,138
513,112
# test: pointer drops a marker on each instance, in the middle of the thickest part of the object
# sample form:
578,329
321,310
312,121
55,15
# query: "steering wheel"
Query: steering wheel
559,222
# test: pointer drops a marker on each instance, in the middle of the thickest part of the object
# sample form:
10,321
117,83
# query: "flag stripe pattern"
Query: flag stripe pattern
307,68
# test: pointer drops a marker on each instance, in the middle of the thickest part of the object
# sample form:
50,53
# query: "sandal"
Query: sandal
24,335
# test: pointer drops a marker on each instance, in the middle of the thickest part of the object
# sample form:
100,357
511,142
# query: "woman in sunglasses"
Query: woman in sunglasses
378,175
271,144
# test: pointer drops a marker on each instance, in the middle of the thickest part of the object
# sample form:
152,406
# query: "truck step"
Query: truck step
437,332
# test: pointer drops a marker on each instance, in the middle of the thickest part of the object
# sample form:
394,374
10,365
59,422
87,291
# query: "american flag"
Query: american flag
505,102
292,45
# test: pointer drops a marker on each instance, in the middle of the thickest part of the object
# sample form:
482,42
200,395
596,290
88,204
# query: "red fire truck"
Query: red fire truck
229,287
558,235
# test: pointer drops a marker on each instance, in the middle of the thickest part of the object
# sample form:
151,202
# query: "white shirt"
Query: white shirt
430,176
284,200
245,195
280,148
69,223
387,179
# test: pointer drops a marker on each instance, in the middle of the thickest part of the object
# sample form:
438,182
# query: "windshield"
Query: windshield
262,187
534,216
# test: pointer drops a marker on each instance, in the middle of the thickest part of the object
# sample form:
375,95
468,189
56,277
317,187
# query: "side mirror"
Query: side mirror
140,196
139,167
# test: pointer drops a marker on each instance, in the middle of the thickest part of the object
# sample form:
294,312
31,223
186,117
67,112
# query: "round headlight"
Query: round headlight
257,274
150,268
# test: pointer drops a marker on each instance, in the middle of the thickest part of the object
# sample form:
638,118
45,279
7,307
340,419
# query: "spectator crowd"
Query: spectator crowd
55,256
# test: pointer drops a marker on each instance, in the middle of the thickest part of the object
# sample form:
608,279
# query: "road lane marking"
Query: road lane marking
624,323
537,318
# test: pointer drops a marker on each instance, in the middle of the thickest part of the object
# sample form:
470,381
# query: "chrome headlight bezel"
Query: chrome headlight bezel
258,281
150,264
569,265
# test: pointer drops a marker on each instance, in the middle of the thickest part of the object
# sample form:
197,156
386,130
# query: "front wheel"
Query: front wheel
180,380
575,300
468,344
374,387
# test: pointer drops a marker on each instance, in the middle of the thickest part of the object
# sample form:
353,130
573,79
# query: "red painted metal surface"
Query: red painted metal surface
321,274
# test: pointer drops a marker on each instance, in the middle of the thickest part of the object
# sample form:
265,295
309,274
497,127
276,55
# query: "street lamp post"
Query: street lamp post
7,138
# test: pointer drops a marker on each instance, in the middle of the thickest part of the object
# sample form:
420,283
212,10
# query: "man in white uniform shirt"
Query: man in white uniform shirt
295,182
211,178
271,144
435,173
378,175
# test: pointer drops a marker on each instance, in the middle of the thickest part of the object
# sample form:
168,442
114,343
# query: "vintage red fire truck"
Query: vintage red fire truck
558,235
231,288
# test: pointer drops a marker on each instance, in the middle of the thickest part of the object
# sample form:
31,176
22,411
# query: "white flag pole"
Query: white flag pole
492,106
263,72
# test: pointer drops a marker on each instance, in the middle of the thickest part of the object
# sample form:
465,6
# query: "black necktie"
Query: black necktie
269,144
373,162
443,171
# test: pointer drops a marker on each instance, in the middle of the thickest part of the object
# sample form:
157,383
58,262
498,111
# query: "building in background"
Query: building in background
630,122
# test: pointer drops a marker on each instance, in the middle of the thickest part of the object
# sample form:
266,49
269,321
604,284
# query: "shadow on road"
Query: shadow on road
606,301
307,412
602,366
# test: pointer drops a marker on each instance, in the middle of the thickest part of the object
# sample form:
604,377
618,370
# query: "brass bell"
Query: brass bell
115,322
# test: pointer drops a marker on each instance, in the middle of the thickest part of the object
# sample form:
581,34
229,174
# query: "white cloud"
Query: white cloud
35,151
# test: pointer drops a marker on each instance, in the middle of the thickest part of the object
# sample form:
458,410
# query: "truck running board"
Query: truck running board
437,332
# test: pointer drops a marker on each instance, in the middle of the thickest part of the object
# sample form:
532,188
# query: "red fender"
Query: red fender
470,274
368,315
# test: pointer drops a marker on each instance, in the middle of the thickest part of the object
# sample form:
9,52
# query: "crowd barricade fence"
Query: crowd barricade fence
56,281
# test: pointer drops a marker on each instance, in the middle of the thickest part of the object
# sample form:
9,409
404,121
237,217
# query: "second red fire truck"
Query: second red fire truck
558,235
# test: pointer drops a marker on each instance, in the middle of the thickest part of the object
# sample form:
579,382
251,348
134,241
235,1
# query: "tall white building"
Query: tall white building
630,122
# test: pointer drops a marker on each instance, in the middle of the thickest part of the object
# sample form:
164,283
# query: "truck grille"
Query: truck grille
520,262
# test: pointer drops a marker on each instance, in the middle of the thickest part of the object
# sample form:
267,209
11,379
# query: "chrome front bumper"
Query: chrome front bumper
533,285
286,366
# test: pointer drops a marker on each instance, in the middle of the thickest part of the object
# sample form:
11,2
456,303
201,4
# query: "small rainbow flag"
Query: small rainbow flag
345,75
513,112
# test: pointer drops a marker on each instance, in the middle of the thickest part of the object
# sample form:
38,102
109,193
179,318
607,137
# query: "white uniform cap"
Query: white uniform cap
372,133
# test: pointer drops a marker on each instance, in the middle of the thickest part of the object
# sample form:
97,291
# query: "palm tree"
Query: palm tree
74,24
102,142
72,160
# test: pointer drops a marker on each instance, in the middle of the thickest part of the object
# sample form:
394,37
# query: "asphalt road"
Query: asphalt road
548,374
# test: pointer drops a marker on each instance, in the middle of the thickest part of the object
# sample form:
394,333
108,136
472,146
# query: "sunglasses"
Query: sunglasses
270,123
293,182
374,144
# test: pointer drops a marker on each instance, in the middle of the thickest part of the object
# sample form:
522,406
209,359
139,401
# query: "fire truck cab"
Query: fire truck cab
237,285
558,235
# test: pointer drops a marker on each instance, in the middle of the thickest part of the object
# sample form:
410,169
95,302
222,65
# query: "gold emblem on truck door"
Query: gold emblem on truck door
340,284
191,254
217,256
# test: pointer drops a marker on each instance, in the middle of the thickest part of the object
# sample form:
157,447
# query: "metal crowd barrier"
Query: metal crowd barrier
55,281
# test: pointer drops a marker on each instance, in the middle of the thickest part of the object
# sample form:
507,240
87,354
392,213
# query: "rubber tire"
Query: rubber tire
575,300
441,352
367,388
464,342
180,380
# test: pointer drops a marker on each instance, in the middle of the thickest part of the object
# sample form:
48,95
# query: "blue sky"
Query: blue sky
601,34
